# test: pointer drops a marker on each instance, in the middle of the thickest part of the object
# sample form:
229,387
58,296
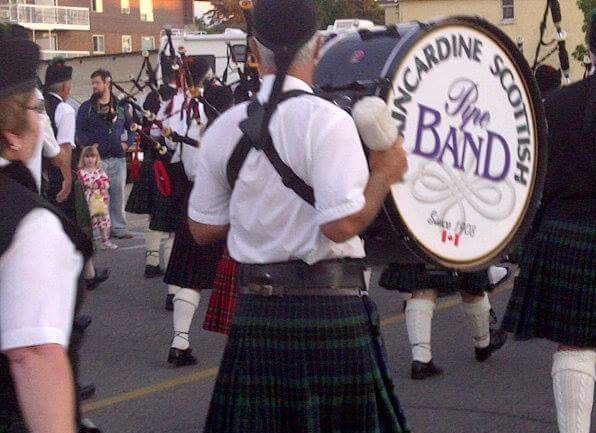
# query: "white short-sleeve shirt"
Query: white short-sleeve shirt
269,223
38,283
178,123
65,119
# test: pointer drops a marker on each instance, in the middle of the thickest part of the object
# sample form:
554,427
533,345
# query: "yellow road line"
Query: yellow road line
210,373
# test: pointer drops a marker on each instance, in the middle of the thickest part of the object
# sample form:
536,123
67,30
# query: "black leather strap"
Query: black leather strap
250,139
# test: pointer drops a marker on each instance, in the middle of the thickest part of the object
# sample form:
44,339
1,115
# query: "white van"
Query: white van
220,50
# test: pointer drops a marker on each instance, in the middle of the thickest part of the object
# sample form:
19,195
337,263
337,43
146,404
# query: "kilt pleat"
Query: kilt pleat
140,200
410,278
304,365
222,302
191,265
554,296
145,199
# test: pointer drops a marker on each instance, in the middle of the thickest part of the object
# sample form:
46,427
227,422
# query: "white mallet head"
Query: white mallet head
374,123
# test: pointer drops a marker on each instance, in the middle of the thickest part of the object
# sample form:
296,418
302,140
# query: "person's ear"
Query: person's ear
317,53
13,140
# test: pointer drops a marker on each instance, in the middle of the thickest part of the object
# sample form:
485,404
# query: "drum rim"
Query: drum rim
526,220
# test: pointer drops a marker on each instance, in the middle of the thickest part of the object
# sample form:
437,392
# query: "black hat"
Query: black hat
284,24
198,67
19,58
58,72
548,78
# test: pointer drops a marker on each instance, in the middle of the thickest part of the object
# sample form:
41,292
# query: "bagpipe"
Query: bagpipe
559,40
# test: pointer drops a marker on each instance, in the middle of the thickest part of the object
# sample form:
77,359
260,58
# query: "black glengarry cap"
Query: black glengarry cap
57,72
284,24
19,58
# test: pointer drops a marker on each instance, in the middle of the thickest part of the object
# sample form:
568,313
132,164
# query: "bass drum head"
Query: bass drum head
467,104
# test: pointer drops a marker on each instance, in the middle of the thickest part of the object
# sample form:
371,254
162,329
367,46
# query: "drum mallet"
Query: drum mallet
374,123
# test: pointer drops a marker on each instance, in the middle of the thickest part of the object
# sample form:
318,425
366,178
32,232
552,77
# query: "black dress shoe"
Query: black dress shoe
424,370
100,276
86,391
170,302
180,357
82,322
153,271
498,337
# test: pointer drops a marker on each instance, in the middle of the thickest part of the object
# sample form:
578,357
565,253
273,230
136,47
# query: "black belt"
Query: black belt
327,278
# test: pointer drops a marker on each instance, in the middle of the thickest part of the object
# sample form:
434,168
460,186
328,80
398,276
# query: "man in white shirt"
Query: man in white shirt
63,120
304,353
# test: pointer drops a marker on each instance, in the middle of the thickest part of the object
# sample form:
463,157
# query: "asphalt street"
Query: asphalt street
126,347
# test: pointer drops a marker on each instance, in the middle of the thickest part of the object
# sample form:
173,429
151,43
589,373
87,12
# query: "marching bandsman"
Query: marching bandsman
425,284
305,351
554,296
36,303
58,82
145,197
191,267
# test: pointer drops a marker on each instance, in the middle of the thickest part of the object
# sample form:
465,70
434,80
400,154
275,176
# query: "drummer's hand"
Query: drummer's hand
392,163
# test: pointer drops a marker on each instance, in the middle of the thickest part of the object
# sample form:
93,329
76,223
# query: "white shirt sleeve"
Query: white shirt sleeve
38,284
339,170
66,124
50,147
210,198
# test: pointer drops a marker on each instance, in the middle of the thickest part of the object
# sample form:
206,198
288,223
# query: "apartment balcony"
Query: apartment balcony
46,18
50,54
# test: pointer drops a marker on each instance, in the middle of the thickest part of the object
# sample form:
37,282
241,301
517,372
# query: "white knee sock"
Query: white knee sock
186,302
167,249
152,242
172,289
573,385
478,315
419,316
496,274
89,270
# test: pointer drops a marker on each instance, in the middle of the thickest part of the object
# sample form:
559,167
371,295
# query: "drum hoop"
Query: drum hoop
526,219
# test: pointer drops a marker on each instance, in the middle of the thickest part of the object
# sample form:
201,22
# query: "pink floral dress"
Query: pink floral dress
96,180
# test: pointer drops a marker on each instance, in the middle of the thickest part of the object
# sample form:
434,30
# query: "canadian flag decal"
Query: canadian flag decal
448,237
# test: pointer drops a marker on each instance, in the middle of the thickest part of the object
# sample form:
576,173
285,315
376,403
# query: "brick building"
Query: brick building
73,28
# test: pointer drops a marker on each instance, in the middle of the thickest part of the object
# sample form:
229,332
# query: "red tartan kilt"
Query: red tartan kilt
222,303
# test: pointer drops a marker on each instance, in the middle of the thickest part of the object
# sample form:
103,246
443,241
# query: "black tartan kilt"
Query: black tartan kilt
191,265
410,278
145,199
305,364
554,296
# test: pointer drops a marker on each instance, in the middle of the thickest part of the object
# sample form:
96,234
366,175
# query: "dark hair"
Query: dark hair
104,74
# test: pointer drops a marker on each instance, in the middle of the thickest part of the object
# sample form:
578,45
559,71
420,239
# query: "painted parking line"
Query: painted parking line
211,373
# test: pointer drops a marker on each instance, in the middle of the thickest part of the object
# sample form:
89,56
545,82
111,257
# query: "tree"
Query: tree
228,13
331,10
586,6
225,13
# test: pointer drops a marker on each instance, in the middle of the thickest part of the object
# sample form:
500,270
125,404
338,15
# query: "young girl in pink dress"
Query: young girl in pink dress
95,183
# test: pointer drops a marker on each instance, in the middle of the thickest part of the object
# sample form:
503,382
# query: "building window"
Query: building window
126,44
148,43
146,9
125,6
97,5
508,10
99,44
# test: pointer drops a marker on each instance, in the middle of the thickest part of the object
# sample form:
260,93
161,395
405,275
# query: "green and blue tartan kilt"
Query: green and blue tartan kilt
410,278
554,296
305,364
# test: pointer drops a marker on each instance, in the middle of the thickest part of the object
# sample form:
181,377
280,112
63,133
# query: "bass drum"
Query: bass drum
466,102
